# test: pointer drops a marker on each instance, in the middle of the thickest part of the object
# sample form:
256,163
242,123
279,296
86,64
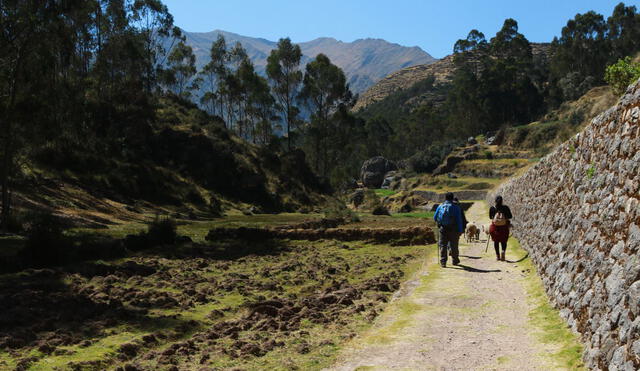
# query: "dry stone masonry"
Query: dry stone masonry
577,213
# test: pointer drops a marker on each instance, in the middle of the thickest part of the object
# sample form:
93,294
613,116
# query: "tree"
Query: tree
283,70
623,31
324,89
471,50
154,24
182,69
582,47
212,74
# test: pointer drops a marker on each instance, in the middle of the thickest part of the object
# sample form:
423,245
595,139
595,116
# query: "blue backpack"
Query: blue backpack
445,215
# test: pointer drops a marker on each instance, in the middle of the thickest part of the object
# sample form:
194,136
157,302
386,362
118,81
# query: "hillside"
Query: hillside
364,61
187,165
442,70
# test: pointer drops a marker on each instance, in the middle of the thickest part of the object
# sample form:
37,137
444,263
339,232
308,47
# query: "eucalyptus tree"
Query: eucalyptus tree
283,70
212,74
181,71
324,89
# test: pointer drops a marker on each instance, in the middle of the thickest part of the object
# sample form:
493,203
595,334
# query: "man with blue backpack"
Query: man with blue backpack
448,216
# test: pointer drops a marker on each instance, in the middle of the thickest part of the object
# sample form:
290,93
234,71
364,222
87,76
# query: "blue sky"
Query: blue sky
432,25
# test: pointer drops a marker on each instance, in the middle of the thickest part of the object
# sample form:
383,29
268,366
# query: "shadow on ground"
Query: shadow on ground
519,260
474,270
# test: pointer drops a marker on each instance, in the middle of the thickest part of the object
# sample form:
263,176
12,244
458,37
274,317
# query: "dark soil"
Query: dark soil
220,306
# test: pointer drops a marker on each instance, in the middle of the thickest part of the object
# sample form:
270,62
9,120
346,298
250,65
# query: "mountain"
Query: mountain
364,61
442,70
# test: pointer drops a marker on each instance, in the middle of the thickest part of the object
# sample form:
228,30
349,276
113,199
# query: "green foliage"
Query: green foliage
591,171
588,44
427,160
621,74
283,69
325,91
337,210
182,68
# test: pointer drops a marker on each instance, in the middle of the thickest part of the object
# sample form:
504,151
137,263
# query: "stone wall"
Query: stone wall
577,213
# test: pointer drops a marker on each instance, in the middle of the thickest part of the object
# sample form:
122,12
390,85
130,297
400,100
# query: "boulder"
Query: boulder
373,171
472,141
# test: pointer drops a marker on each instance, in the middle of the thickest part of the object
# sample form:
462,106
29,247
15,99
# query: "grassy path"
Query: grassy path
483,315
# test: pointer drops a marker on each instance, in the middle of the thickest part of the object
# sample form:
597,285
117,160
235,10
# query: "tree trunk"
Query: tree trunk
6,209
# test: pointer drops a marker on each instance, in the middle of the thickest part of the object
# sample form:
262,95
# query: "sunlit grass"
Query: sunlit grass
385,192
544,317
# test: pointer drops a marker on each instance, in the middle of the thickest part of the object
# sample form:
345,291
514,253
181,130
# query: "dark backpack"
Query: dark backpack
445,215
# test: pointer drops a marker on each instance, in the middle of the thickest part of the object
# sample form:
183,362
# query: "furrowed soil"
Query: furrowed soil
481,315
279,304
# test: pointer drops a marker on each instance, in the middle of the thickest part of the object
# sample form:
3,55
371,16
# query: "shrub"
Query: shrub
337,210
16,222
162,231
621,74
427,160
45,242
380,210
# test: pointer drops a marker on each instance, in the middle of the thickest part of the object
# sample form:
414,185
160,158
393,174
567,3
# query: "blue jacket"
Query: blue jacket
457,213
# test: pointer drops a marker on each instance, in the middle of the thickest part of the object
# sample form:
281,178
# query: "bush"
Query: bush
427,160
621,74
337,210
46,243
16,222
381,210
162,231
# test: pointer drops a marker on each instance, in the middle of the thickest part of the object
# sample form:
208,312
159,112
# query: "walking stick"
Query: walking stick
487,247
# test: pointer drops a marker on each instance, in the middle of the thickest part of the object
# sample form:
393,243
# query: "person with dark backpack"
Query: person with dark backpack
448,217
500,216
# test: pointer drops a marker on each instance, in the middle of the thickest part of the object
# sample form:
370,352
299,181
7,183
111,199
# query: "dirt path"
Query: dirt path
473,317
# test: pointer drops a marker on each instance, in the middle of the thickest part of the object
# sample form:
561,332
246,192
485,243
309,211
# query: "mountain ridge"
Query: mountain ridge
365,61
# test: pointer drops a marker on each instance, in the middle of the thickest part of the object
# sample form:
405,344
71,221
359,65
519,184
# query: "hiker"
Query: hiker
448,217
464,219
500,215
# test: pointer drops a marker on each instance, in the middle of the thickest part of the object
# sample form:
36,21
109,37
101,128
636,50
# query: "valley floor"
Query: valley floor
482,315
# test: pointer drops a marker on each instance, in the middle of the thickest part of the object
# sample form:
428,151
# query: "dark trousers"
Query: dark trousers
497,247
448,241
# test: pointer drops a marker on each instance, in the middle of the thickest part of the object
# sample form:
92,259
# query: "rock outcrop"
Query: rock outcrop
577,213
373,171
